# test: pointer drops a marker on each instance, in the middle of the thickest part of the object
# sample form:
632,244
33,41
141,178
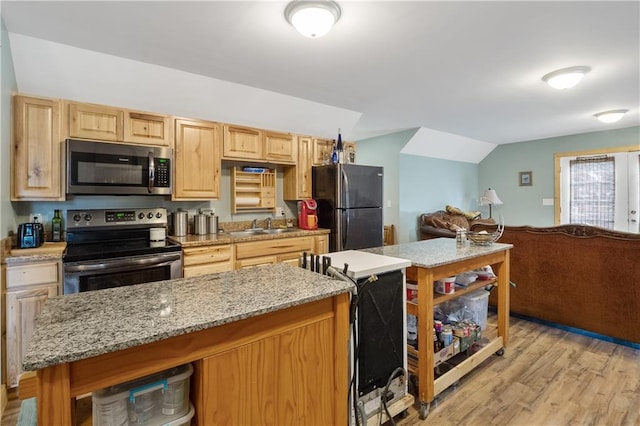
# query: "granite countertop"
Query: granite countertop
227,238
47,251
78,326
436,252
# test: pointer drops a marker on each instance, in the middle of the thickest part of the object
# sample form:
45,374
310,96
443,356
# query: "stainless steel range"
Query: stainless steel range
113,248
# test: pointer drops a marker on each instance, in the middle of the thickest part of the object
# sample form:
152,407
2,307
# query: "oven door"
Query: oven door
107,273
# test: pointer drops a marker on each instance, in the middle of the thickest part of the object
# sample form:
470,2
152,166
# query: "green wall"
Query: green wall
385,151
416,184
523,204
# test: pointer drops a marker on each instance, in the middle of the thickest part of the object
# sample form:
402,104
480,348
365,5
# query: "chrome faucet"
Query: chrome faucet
254,223
268,221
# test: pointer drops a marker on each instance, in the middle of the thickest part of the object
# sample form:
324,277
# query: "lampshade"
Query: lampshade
611,116
312,19
565,78
490,197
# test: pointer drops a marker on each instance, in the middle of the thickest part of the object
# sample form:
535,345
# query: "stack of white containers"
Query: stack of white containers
158,399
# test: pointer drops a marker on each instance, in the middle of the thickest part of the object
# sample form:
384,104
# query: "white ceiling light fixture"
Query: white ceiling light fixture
565,78
611,116
312,19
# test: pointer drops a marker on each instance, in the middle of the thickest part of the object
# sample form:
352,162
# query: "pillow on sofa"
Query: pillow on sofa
469,215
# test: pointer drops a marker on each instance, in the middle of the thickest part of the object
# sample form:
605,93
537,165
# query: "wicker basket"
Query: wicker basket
485,238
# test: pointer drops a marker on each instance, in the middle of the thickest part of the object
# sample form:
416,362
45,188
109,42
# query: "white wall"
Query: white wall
8,85
44,68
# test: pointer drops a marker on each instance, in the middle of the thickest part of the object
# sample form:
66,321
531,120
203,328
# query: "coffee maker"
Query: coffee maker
307,214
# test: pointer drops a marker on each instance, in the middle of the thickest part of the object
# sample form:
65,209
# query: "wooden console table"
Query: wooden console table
435,259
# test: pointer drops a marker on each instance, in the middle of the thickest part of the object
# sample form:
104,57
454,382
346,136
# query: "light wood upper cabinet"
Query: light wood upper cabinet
103,123
197,160
297,180
36,157
87,121
243,143
322,149
280,147
150,129
249,144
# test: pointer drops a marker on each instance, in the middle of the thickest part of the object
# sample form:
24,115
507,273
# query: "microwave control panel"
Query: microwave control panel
163,171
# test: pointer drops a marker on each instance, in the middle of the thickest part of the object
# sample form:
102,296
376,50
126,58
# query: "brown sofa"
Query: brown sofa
443,224
578,276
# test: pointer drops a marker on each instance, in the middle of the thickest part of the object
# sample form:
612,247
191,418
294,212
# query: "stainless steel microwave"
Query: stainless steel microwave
96,168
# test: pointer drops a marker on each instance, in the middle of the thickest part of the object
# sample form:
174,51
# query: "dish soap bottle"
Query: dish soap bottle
56,226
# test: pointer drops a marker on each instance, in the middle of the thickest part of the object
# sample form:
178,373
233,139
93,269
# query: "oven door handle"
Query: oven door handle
128,263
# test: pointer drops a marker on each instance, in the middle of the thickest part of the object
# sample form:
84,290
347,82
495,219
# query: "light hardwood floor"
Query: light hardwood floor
546,377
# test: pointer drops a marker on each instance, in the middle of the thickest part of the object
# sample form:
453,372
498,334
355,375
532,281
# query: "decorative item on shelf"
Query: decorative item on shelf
490,197
340,148
334,154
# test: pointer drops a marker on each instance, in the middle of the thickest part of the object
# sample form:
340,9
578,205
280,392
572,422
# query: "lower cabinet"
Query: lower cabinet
28,288
288,376
265,252
207,260
220,258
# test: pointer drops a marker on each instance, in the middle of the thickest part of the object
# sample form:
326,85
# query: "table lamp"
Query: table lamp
490,197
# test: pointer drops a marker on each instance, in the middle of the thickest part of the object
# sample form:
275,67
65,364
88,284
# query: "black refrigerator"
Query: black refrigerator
349,198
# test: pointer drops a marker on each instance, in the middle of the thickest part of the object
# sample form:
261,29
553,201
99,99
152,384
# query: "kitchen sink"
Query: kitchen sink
247,232
279,230
261,231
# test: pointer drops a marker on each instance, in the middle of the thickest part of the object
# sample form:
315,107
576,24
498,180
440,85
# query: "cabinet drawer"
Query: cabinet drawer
32,274
210,268
256,261
210,254
274,247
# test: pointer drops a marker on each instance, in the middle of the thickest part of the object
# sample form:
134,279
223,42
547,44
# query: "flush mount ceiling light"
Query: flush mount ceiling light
611,116
565,78
312,19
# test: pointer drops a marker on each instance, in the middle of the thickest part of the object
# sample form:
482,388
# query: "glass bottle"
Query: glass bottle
334,155
56,226
340,148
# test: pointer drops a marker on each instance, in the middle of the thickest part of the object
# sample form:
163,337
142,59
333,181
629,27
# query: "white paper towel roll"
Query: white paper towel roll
247,201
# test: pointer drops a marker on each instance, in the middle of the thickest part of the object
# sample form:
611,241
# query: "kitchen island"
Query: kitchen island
267,344
437,259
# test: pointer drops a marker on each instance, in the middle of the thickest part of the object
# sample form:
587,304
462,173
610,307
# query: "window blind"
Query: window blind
592,191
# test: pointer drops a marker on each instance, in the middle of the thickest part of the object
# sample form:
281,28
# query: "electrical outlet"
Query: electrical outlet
36,217
279,211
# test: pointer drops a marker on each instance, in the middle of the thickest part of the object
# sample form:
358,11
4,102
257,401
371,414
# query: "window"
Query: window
599,189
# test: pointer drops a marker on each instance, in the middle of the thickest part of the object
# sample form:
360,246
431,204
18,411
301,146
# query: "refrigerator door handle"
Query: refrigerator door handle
345,188
346,230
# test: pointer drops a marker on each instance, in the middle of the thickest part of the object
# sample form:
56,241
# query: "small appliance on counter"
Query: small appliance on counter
30,235
307,214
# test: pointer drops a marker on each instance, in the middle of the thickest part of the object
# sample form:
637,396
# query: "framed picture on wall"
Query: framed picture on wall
526,179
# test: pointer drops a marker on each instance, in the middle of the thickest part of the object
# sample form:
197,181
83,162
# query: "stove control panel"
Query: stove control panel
77,219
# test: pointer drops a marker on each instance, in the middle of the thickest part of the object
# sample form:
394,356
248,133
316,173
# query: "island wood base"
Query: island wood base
284,367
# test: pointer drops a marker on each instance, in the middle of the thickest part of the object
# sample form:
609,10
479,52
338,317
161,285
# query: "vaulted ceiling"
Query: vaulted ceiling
471,69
